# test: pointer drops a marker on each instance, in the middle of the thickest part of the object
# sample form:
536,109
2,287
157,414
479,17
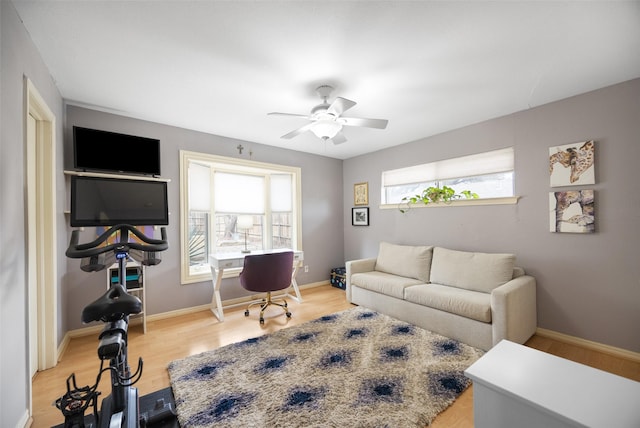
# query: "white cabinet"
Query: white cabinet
517,386
136,278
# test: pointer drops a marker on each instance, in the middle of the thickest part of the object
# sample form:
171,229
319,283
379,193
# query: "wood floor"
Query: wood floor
174,338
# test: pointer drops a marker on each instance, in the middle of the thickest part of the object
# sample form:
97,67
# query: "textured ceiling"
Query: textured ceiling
426,66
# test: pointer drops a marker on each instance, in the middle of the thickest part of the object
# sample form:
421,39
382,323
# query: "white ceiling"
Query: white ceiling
427,66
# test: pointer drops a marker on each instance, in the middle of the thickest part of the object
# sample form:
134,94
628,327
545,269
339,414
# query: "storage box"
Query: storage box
339,277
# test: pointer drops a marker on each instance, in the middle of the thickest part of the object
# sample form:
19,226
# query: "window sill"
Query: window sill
511,200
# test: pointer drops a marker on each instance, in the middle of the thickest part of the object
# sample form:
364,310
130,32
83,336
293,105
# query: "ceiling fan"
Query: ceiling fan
327,121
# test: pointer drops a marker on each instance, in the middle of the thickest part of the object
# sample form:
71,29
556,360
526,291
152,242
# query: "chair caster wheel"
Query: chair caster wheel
246,313
288,314
261,320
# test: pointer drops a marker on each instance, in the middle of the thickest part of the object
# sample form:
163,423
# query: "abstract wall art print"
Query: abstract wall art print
572,211
572,164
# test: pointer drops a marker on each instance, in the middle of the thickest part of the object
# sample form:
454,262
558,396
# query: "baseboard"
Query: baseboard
63,346
229,303
96,329
25,421
588,344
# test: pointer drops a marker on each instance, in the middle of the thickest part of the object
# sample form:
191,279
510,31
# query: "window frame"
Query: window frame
243,166
438,179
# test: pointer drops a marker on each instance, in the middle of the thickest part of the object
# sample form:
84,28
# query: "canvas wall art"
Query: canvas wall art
572,164
572,211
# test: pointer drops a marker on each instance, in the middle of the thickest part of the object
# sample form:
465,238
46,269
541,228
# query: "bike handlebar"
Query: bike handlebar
93,248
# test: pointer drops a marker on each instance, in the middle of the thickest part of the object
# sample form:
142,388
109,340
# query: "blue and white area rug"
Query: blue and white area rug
355,368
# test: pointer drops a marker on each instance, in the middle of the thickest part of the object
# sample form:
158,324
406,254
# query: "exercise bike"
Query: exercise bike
120,409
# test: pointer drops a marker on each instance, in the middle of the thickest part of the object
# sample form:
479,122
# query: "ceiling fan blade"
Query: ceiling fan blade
367,123
298,131
339,138
340,105
275,113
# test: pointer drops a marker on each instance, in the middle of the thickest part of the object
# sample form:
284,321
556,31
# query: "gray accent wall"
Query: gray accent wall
19,59
321,213
588,284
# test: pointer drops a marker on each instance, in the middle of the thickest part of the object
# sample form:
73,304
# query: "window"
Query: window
229,204
488,174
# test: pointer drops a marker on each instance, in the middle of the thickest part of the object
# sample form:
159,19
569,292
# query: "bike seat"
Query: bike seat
112,305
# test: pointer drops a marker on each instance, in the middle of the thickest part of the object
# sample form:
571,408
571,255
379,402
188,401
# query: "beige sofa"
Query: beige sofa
476,298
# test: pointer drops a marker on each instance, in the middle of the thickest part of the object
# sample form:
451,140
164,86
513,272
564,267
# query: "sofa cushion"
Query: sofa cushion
405,260
471,271
517,272
469,304
384,283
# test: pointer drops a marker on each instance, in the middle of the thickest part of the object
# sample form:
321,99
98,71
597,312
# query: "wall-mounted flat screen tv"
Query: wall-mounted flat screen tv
96,150
99,201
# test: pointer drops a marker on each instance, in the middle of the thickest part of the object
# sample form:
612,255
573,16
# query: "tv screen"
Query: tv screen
98,201
95,150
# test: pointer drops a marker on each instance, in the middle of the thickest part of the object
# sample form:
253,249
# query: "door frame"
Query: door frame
43,224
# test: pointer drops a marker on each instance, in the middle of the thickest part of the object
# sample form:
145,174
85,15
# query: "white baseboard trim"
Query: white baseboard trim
25,421
230,303
96,329
63,346
85,331
588,344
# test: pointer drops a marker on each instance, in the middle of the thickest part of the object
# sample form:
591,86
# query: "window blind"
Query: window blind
199,187
467,166
238,193
281,193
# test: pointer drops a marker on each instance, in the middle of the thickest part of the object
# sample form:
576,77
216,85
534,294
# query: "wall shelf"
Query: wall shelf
68,172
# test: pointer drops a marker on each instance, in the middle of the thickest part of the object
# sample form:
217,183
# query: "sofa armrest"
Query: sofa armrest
513,310
357,266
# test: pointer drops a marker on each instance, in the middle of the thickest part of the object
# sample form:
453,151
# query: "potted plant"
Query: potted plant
434,195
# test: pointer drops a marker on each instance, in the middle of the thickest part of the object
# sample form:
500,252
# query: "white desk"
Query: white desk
517,386
221,261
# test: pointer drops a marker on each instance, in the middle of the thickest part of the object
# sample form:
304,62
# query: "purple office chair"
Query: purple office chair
267,273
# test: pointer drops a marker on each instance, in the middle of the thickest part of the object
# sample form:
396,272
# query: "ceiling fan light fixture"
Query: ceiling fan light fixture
326,129
326,121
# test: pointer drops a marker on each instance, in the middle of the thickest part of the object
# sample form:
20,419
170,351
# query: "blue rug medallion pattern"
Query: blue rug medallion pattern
356,368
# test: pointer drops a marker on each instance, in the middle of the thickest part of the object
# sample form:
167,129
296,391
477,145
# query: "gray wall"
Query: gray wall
19,58
588,285
321,213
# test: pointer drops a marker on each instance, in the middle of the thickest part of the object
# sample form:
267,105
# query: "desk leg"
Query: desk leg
294,283
216,302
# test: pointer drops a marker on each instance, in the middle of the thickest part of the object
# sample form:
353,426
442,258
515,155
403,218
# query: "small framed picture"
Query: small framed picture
361,194
360,216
